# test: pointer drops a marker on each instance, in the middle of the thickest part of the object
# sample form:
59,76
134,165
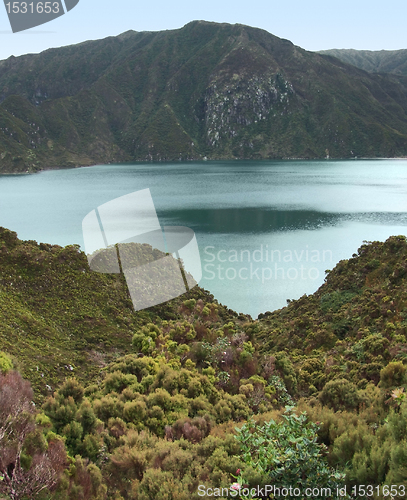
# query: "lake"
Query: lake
266,230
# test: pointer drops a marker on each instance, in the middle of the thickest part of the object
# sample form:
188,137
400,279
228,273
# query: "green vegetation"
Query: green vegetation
206,90
57,318
157,403
374,61
288,454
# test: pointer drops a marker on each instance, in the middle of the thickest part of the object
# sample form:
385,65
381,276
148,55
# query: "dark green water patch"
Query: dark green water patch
264,220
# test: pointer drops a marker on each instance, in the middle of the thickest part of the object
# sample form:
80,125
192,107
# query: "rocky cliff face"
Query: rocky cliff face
233,105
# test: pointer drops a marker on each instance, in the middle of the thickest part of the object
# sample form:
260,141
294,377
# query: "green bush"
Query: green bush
5,363
286,368
340,394
287,453
393,375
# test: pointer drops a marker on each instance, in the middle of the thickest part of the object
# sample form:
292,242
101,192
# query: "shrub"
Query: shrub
194,430
160,485
285,367
5,363
392,375
287,453
340,394
30,464
72,388
190,304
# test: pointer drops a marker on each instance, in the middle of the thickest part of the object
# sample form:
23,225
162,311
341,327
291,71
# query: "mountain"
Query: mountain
206,90
374,61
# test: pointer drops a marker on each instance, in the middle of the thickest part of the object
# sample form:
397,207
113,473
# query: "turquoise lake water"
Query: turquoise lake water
266,231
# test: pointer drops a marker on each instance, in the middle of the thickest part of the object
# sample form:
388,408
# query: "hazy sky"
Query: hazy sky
312,24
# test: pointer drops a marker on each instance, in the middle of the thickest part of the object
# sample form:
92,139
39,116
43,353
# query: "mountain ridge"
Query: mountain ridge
373,61
206,90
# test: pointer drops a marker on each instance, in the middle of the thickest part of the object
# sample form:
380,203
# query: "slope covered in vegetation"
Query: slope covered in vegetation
356,321
374,61
59,318
206,90
157,413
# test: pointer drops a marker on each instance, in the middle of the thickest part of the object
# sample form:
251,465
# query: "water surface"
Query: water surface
266,230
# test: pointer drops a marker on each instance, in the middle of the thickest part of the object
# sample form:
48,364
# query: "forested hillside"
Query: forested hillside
210,90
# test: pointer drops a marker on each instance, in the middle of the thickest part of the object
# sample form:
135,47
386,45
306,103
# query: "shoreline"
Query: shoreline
133,162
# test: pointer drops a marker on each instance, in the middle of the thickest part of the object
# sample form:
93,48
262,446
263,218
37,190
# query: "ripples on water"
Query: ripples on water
307,214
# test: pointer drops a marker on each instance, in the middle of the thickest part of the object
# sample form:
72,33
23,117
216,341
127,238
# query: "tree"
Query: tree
29,463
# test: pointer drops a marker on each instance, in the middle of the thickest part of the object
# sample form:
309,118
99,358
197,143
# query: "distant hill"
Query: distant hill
374,61
206,90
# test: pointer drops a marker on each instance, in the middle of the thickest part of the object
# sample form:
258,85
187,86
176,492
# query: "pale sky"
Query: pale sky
312,24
